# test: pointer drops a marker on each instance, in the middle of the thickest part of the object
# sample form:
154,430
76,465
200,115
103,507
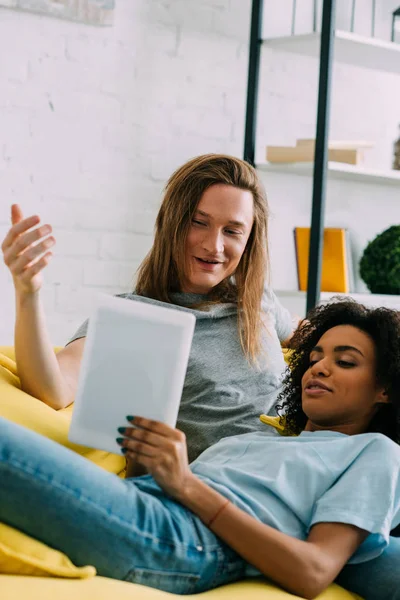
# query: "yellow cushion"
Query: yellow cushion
22,555
21,408
18,552
273,422
100,588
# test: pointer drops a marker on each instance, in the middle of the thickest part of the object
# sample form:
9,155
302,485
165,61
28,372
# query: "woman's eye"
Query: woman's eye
345,363
232,232
196,222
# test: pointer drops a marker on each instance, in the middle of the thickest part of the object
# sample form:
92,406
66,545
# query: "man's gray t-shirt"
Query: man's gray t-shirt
223,394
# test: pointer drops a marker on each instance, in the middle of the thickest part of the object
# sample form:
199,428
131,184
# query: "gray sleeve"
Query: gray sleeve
282,317
81,332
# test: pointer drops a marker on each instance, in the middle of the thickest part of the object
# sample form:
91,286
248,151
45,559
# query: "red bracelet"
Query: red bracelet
219,511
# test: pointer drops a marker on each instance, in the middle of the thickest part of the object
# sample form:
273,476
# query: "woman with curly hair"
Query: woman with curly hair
377,579
295,508
382,326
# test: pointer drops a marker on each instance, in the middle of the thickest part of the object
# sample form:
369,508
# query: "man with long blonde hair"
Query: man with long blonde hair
210,257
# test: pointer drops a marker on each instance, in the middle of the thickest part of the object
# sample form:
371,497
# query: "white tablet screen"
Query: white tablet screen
134,363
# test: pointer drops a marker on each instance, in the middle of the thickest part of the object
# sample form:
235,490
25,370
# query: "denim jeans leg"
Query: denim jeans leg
96,518
377,579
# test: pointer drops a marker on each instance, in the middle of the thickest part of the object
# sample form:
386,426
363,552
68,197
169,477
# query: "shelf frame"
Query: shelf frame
321,150
321,154
350,48
253,81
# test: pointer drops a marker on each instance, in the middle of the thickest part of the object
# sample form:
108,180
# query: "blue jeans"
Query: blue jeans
128,529
377,579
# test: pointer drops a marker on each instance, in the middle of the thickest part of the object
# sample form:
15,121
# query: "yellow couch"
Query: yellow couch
31,569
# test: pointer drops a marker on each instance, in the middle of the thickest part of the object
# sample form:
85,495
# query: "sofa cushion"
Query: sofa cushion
21,408
22,555
100,588
18,552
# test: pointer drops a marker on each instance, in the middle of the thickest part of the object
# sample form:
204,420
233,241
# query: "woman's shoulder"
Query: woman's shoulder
269,300
376,449
382,443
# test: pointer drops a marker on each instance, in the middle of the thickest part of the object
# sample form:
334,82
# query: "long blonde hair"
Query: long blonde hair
162,271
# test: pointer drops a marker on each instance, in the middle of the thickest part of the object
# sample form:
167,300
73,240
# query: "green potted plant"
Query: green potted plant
380,262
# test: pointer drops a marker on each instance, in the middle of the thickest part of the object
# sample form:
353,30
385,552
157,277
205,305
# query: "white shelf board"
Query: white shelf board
336,171
350,48
295,301
366,298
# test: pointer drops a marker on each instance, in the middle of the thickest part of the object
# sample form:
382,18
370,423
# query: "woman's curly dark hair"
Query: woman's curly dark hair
383,327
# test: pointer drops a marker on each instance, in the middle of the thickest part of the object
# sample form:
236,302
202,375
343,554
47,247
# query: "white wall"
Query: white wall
93,121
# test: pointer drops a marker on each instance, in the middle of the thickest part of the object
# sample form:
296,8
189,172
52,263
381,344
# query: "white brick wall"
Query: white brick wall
93,121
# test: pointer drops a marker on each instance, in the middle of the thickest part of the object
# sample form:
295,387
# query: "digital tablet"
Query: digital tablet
134,363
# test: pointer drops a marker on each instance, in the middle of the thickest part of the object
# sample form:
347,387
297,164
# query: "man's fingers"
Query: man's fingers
31,271
17,229
24,241
30,256
16,214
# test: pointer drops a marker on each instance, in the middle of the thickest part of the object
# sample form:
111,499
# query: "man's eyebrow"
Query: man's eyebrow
237,223
344,348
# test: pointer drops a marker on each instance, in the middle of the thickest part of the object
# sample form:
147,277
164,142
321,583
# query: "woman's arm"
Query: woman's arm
304,568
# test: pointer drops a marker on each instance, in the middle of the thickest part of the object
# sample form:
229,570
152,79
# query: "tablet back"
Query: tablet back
134,363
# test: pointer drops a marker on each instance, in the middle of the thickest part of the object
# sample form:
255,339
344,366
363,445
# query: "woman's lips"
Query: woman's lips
315,387
316,391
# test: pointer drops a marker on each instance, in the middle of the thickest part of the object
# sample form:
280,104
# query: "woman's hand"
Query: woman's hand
161,450
26,251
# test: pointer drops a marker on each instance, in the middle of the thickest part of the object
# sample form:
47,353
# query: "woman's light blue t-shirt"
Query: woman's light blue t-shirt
292,483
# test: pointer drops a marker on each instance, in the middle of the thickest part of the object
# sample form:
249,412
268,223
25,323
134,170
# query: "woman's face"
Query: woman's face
339,390
217,237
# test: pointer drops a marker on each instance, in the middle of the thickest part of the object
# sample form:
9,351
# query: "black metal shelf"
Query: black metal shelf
321,145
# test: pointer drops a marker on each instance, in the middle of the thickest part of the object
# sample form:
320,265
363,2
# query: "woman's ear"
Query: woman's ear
383,397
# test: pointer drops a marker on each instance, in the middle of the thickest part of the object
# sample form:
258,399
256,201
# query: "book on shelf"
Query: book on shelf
337,267
290,154
337,144
350,152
